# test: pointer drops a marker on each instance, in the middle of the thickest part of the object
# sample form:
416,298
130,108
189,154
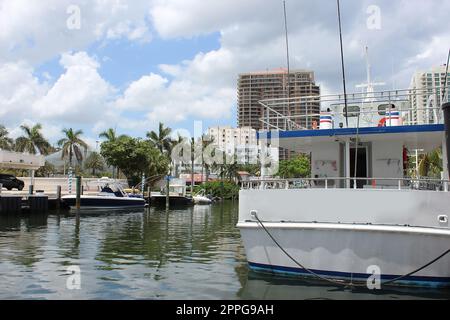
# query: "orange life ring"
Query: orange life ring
382,122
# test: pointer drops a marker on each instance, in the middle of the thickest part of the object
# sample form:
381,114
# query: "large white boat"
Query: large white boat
361,215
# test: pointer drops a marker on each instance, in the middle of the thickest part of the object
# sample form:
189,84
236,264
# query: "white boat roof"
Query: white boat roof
423,137
16,160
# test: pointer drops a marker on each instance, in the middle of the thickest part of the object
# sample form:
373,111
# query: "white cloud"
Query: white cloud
80,95
19,89
78,59
251,38
143,92
37,30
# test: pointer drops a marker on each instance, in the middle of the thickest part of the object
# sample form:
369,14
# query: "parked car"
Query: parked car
11,182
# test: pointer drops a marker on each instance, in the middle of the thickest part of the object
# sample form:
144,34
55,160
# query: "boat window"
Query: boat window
353,111
382,108
107,189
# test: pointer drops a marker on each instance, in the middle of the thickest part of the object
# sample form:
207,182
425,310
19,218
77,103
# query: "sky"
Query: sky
128,65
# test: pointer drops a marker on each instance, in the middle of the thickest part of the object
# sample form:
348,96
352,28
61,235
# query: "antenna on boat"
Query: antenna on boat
342,62
370,86
288,60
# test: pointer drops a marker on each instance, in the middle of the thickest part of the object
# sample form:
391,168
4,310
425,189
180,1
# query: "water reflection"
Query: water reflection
267,287
193,253
123,255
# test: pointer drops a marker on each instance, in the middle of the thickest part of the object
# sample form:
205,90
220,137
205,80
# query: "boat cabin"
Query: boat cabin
377,157
368,144
177,187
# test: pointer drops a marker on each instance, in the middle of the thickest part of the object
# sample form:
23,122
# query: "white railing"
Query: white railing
348,183
275,120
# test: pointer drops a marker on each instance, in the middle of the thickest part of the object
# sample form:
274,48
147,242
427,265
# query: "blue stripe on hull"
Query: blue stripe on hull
433,282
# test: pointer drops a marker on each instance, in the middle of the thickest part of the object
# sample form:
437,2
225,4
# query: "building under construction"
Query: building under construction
256,86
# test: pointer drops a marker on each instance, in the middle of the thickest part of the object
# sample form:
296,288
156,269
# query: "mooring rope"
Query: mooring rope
342,283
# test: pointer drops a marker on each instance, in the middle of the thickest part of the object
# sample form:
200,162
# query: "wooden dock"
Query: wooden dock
33,204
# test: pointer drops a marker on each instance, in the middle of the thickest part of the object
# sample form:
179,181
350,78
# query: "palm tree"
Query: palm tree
175,161
5,141
33,141
206,142
431,164
109,135
94,162
161,139
71,145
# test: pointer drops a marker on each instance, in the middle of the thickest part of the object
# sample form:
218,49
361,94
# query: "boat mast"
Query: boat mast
288,95
370,86
342,62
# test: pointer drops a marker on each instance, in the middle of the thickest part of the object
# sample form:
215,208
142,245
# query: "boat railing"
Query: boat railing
277,115
349,183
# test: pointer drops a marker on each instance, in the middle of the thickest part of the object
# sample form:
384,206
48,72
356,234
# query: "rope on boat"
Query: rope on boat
342,283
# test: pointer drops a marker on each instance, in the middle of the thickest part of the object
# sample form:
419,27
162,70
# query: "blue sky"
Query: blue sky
132,64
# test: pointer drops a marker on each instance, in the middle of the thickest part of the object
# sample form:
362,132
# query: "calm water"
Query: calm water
194,253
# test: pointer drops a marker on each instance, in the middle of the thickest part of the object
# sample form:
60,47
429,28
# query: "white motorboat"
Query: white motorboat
361,216
111,196
202,199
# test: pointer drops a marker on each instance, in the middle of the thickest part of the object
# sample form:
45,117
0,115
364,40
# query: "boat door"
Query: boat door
362,165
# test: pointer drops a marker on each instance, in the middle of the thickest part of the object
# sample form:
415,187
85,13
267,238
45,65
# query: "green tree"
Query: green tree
5,141
161,139
298,167
33,141
430,166
206,142
135,157
175,162
72,144
94,162
221,189
109,135
252,169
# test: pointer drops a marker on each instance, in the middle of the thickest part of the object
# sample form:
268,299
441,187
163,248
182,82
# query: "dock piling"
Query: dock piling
10,204
167,192
58,197
38,204
78,201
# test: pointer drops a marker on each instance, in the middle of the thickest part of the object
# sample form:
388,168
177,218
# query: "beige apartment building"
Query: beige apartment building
256,86
428,92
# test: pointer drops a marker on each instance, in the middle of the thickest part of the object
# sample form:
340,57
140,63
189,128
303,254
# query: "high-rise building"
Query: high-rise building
242,143
427,86
256,86
228,139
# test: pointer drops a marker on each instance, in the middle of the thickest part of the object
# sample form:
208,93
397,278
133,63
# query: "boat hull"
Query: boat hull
349,252
160,201
99,203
